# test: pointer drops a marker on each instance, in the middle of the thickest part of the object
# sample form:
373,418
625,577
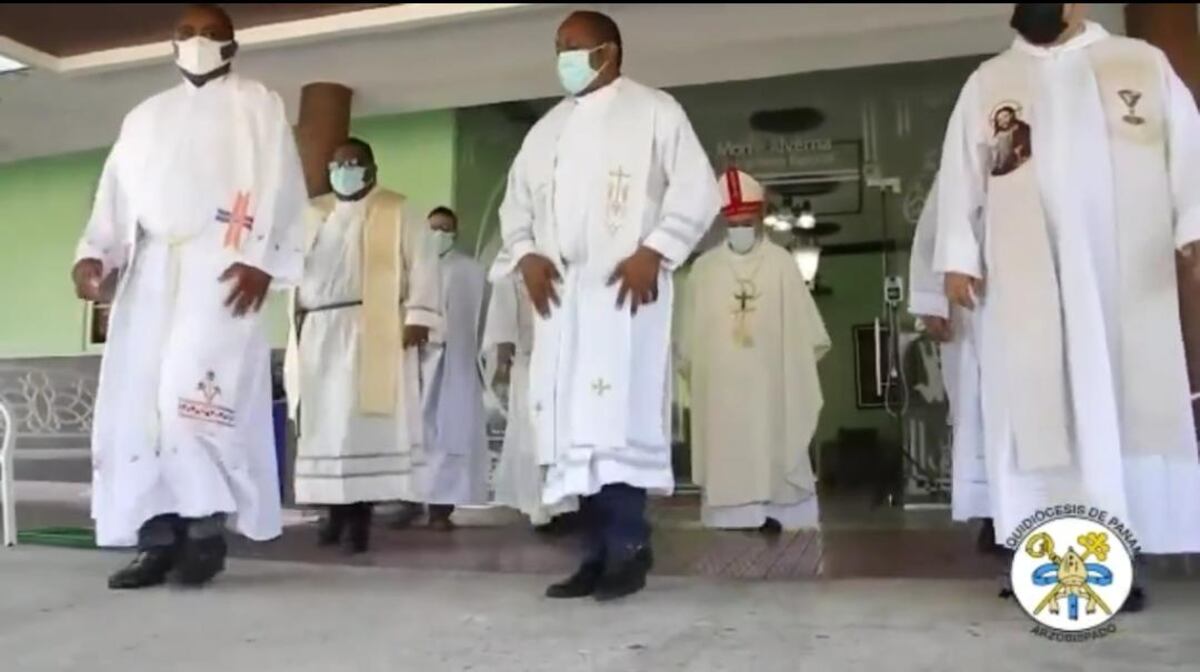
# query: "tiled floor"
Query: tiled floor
856,541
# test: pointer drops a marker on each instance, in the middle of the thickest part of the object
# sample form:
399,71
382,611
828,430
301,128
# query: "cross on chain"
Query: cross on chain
743,297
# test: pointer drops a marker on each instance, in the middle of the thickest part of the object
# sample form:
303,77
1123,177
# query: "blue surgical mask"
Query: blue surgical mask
742,238
348,180
443,241
575,71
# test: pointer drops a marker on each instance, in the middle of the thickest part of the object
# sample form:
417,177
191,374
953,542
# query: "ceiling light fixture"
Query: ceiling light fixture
8,65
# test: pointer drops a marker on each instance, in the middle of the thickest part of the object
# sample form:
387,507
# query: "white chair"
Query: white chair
8,496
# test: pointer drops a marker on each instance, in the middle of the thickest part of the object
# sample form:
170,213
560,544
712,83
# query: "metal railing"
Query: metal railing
8,501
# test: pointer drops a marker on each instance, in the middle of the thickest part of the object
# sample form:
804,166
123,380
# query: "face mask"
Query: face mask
575,71
348,180
443,241
742,238
200,55
1040,23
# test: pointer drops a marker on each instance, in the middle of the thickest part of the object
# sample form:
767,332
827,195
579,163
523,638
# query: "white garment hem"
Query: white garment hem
801,515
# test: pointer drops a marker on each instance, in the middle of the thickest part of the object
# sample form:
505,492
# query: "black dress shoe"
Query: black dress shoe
407,515
329,533
1135,602
149,568
358,534
580,584
201,561
625,578
986,544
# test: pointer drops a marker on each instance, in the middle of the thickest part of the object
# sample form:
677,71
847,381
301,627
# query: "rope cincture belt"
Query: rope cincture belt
302,313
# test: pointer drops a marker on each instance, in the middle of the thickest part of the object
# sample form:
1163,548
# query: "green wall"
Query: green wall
44,204
415,153
488,139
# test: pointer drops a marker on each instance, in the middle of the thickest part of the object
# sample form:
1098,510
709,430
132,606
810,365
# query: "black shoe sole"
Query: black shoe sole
117,585
193,571
612,593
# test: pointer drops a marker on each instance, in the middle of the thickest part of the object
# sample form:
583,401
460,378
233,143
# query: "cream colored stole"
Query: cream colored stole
1023,281
383,285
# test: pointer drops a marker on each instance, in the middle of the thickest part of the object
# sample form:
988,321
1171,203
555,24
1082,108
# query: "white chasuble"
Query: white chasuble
752,339
969,496
199,179
1077,157
349,452
597,177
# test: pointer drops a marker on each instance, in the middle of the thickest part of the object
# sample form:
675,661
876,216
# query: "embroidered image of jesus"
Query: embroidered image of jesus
1011,144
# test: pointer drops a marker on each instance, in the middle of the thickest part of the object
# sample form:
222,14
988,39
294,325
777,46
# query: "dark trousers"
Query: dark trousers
168,530
615,525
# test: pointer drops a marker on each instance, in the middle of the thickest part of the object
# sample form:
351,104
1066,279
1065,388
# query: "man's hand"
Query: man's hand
938,328
962,289
88,276
540,275
505,353
1191,257
249,288
415,336
638,276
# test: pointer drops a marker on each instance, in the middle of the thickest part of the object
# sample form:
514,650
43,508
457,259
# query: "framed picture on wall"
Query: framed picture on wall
869,393
95,322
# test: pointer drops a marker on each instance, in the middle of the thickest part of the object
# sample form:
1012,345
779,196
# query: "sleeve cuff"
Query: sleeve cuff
674,252
422,317
929,303
507,261
1187,229
110,259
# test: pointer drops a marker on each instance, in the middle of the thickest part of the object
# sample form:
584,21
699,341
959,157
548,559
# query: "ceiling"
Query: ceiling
70,28
420,56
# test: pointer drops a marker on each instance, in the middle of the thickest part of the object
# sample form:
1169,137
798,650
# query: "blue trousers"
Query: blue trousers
167,530
615,525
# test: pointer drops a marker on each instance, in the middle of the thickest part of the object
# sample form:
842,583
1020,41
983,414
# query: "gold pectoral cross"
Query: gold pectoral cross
618,198
745,297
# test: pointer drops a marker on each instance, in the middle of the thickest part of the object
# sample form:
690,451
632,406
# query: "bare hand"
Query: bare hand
638,276
938,328
249,288
505,353
1191,257
88,276
962,289
415,335
540,275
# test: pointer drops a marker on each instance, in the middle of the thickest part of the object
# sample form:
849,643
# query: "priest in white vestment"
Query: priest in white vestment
953,329
199,210
1084,388
455,468
609,193
356,314
507,344
752,339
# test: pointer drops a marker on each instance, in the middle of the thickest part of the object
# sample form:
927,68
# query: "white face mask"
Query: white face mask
443,242
742,238
200,55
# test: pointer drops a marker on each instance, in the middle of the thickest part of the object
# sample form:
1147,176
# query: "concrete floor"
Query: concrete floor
55,614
